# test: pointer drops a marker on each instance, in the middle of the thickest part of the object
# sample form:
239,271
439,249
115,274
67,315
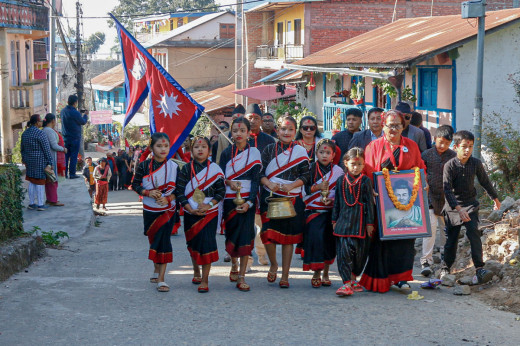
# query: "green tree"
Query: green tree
145,7
94,42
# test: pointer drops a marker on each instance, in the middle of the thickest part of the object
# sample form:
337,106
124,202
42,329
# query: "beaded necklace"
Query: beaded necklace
193,173
165,171
290,148
234,155
318,171
352,189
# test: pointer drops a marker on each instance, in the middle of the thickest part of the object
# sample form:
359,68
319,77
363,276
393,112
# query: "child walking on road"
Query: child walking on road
200,191
318,241
102,175
462,205
155,180
353,220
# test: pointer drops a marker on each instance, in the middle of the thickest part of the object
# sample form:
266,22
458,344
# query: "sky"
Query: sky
90,26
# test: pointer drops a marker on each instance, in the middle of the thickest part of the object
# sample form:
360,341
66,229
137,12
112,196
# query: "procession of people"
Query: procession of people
264,184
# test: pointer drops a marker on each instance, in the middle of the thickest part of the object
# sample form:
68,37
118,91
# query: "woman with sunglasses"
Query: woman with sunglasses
390,262
308,135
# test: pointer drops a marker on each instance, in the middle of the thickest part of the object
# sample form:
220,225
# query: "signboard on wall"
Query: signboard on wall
101,117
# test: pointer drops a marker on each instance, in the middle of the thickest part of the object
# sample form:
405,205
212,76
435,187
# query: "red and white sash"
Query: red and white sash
277,167
215,173
313,201
164,179
242,163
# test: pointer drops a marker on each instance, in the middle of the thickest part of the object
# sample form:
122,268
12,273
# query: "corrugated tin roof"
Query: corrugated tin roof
407,41
278,5
109,79
182,29
283,75
215,99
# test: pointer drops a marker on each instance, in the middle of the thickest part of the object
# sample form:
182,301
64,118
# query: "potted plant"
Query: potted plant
337,121
407,94
337,87
357,93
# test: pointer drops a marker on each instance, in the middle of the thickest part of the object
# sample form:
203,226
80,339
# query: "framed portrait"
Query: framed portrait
398,217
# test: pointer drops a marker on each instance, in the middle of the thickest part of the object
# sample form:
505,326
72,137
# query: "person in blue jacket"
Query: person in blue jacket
72,121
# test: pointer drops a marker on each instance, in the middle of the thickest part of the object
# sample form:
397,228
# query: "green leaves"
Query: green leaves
11,198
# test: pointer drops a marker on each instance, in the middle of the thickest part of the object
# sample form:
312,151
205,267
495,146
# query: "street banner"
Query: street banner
101,117
172,110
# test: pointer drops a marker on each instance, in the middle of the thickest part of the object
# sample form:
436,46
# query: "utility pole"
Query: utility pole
6,132
52,65
79,71
239,63
477,112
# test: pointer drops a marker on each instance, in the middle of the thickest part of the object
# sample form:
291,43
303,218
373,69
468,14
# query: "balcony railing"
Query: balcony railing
330,108
280,52
31,95
30,14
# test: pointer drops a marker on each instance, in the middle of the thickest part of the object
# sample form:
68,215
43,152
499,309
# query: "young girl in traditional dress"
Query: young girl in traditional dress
154,180
241,164
319,244
200,191
102,175
353,221
285,170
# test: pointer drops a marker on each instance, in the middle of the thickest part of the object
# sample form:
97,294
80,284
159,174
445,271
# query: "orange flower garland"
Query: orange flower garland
415,189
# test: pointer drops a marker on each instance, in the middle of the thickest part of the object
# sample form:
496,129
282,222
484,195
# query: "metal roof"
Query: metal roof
407,41
266,92
215,99
282,76
109,80
278,5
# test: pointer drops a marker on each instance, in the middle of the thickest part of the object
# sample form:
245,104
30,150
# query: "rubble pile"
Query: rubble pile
500,244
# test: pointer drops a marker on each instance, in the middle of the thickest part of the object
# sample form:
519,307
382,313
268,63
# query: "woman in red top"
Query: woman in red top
390,262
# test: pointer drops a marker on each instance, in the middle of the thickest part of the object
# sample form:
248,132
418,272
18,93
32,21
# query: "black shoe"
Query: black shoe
75,176
484,275
426,270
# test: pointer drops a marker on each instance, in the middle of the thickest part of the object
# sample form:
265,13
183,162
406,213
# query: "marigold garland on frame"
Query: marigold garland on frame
390,190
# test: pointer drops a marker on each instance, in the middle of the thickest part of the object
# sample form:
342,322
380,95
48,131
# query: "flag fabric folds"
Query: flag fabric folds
172,110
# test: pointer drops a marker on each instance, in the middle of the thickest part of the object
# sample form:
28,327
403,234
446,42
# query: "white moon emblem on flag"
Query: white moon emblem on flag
139,68
169,105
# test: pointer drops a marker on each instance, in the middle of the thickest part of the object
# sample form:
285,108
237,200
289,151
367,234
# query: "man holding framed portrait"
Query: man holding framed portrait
389,159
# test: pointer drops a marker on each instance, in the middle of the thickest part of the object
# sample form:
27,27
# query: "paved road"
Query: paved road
96,292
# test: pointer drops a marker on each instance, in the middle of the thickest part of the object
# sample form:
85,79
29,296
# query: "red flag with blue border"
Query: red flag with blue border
172,110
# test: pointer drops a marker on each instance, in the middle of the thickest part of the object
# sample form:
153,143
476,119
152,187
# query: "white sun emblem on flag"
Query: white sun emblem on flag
169,105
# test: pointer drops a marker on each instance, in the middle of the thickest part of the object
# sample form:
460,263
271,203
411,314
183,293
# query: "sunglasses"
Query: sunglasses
394,127
407,117
309,128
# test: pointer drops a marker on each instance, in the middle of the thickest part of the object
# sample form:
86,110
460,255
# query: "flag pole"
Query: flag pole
218,128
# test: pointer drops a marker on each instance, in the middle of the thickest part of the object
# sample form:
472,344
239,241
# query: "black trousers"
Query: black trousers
112,184
452,241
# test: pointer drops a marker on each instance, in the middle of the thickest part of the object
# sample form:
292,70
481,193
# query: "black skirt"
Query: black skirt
389,262
282,231
319,244
239,230
200,232
158,228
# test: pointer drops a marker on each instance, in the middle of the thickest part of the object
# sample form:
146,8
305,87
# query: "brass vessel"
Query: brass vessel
238,200
280,208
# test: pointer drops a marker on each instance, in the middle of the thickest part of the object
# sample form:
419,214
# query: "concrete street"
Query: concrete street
96,291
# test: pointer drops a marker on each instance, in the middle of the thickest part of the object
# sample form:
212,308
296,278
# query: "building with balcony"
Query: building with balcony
147,28
23,25
201,54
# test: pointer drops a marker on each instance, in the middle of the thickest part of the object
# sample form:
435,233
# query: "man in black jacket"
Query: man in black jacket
374,131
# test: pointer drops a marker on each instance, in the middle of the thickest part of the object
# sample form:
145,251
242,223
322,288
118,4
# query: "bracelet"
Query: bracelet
250,204
146,193
211,204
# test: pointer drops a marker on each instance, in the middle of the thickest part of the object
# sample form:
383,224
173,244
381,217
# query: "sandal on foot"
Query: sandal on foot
356,287
163,287
271,277
155,278
316,283
196,280
203,289
233,275
242,286
284,283
326,283
345,290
